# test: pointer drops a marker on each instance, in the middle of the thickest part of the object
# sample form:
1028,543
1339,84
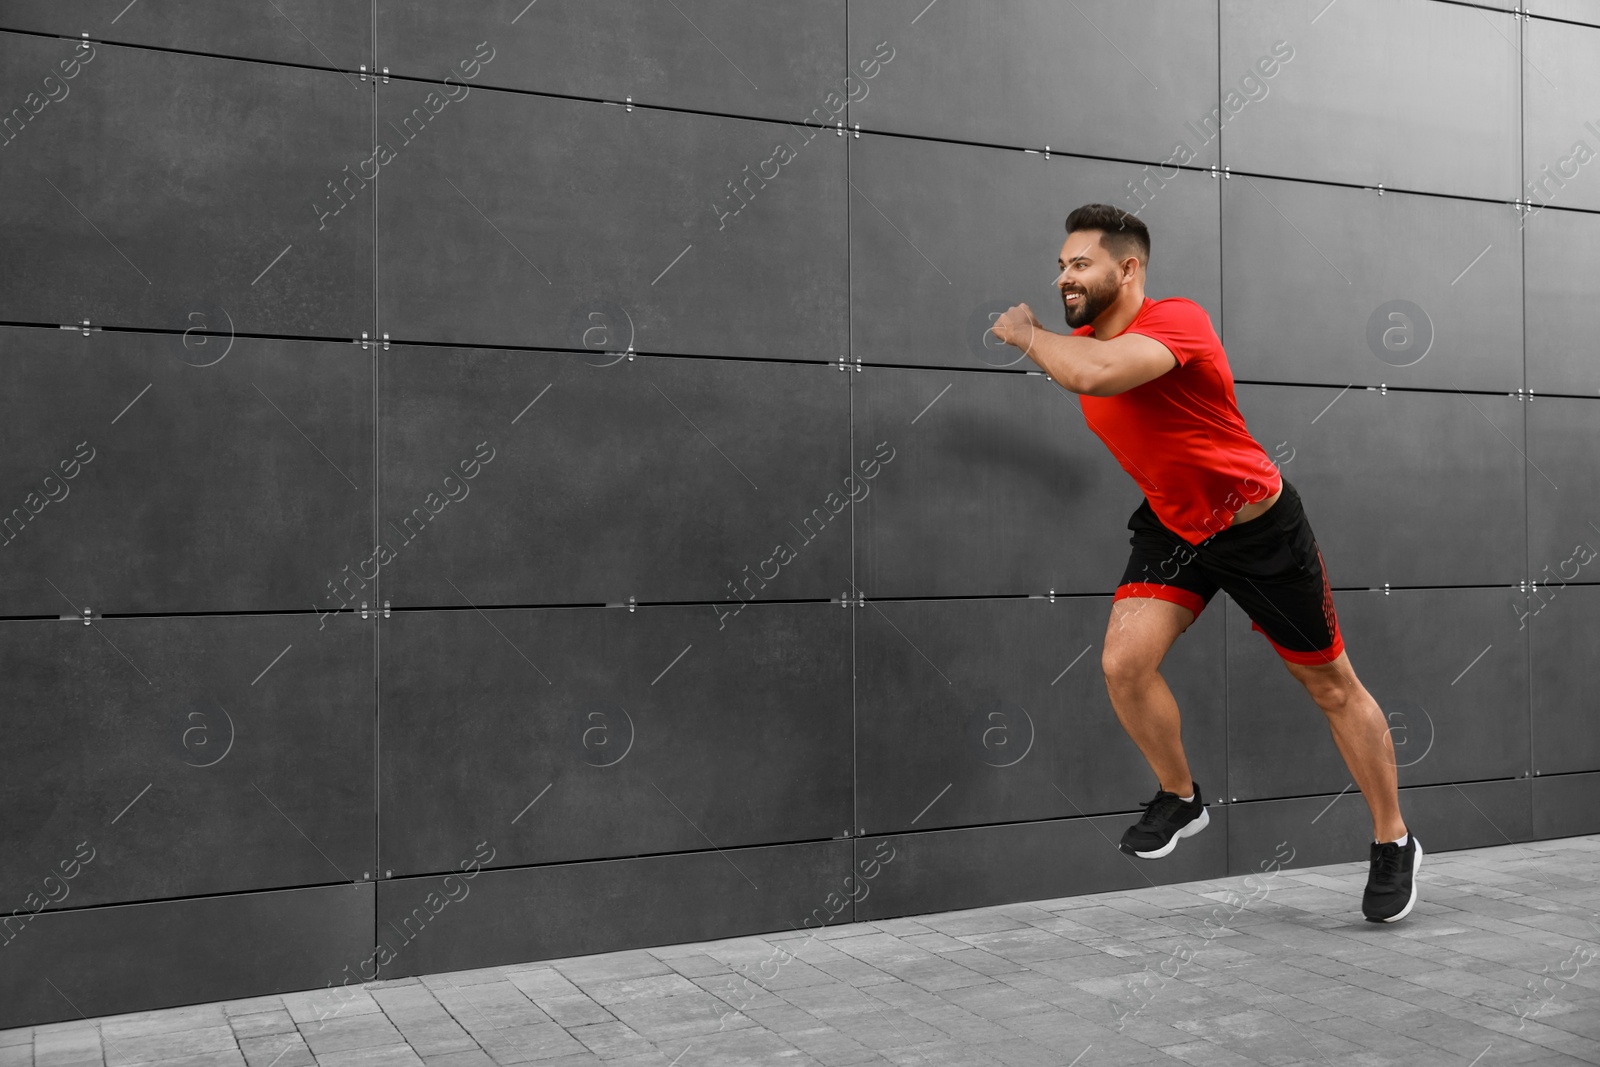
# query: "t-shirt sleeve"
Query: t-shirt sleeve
1182,326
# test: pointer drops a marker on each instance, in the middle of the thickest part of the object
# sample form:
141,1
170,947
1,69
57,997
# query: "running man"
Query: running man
1155,386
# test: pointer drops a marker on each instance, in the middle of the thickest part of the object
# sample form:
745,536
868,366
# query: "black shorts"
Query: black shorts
1270,565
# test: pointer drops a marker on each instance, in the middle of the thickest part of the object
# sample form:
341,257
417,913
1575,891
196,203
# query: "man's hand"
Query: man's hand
1018,326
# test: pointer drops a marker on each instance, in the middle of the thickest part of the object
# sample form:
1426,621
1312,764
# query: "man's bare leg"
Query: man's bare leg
1137,638
1362,733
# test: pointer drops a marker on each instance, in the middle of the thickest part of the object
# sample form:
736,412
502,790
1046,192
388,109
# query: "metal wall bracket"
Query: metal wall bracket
1225,173
840,130
857,129
1380,188
1383,388
386,609
1047,153
1385,588
386,342
629,105
363,72
1052,596
364,340
632,604
1214,171
363,609
82,327
845,601
88,616
386,75
843,364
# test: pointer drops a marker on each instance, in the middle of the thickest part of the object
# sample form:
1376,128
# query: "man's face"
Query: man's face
1088,279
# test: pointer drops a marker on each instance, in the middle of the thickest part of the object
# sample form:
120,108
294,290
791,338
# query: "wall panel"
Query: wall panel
571,909
1338,829
1561,808
1031,73
701,232
944,237
161,192
1561,136
1381,475
1448,668
135,957
777,61
995,711
1412,94
988,865
312,33
1561,286
739,470
209,473
1562,623
1563,484
193,755
1337,285
572,734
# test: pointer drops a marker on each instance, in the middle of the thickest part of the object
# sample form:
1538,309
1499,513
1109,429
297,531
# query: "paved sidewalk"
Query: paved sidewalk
1498,964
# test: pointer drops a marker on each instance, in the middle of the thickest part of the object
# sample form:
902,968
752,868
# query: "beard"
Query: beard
1095,300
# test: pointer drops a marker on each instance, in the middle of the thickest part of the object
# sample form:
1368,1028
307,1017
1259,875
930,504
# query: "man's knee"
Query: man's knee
1334,691
1126,667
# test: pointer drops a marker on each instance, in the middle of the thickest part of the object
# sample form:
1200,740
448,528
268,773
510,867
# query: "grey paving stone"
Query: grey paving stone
401,1055
276,1021
252,1006
854,972
611,1040
117,1028
472,1058
525,1044
542,981
341,1035
61,1047
489,1006
657,985
574,1010
171,1045
583,970
695,964
329,1005
276,1050
435,1037
227,1057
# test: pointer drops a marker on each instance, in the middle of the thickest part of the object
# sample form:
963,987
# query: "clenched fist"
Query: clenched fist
1017,326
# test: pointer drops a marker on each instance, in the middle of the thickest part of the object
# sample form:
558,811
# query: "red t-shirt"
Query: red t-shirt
1181,436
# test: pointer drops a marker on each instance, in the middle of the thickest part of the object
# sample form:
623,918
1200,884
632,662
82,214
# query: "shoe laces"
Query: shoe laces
1387,869
1161,806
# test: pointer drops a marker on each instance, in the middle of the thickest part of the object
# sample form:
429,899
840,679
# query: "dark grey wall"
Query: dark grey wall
649,310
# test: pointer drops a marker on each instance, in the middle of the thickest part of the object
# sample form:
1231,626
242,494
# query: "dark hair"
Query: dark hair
1123,233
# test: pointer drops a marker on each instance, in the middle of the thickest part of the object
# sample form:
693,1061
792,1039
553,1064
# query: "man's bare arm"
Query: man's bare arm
1086,364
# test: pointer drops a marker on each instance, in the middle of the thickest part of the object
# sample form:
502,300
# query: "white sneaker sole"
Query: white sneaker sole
1416,865
1193,828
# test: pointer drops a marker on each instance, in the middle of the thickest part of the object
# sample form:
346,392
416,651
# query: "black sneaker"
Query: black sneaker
1392,881
1166,819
